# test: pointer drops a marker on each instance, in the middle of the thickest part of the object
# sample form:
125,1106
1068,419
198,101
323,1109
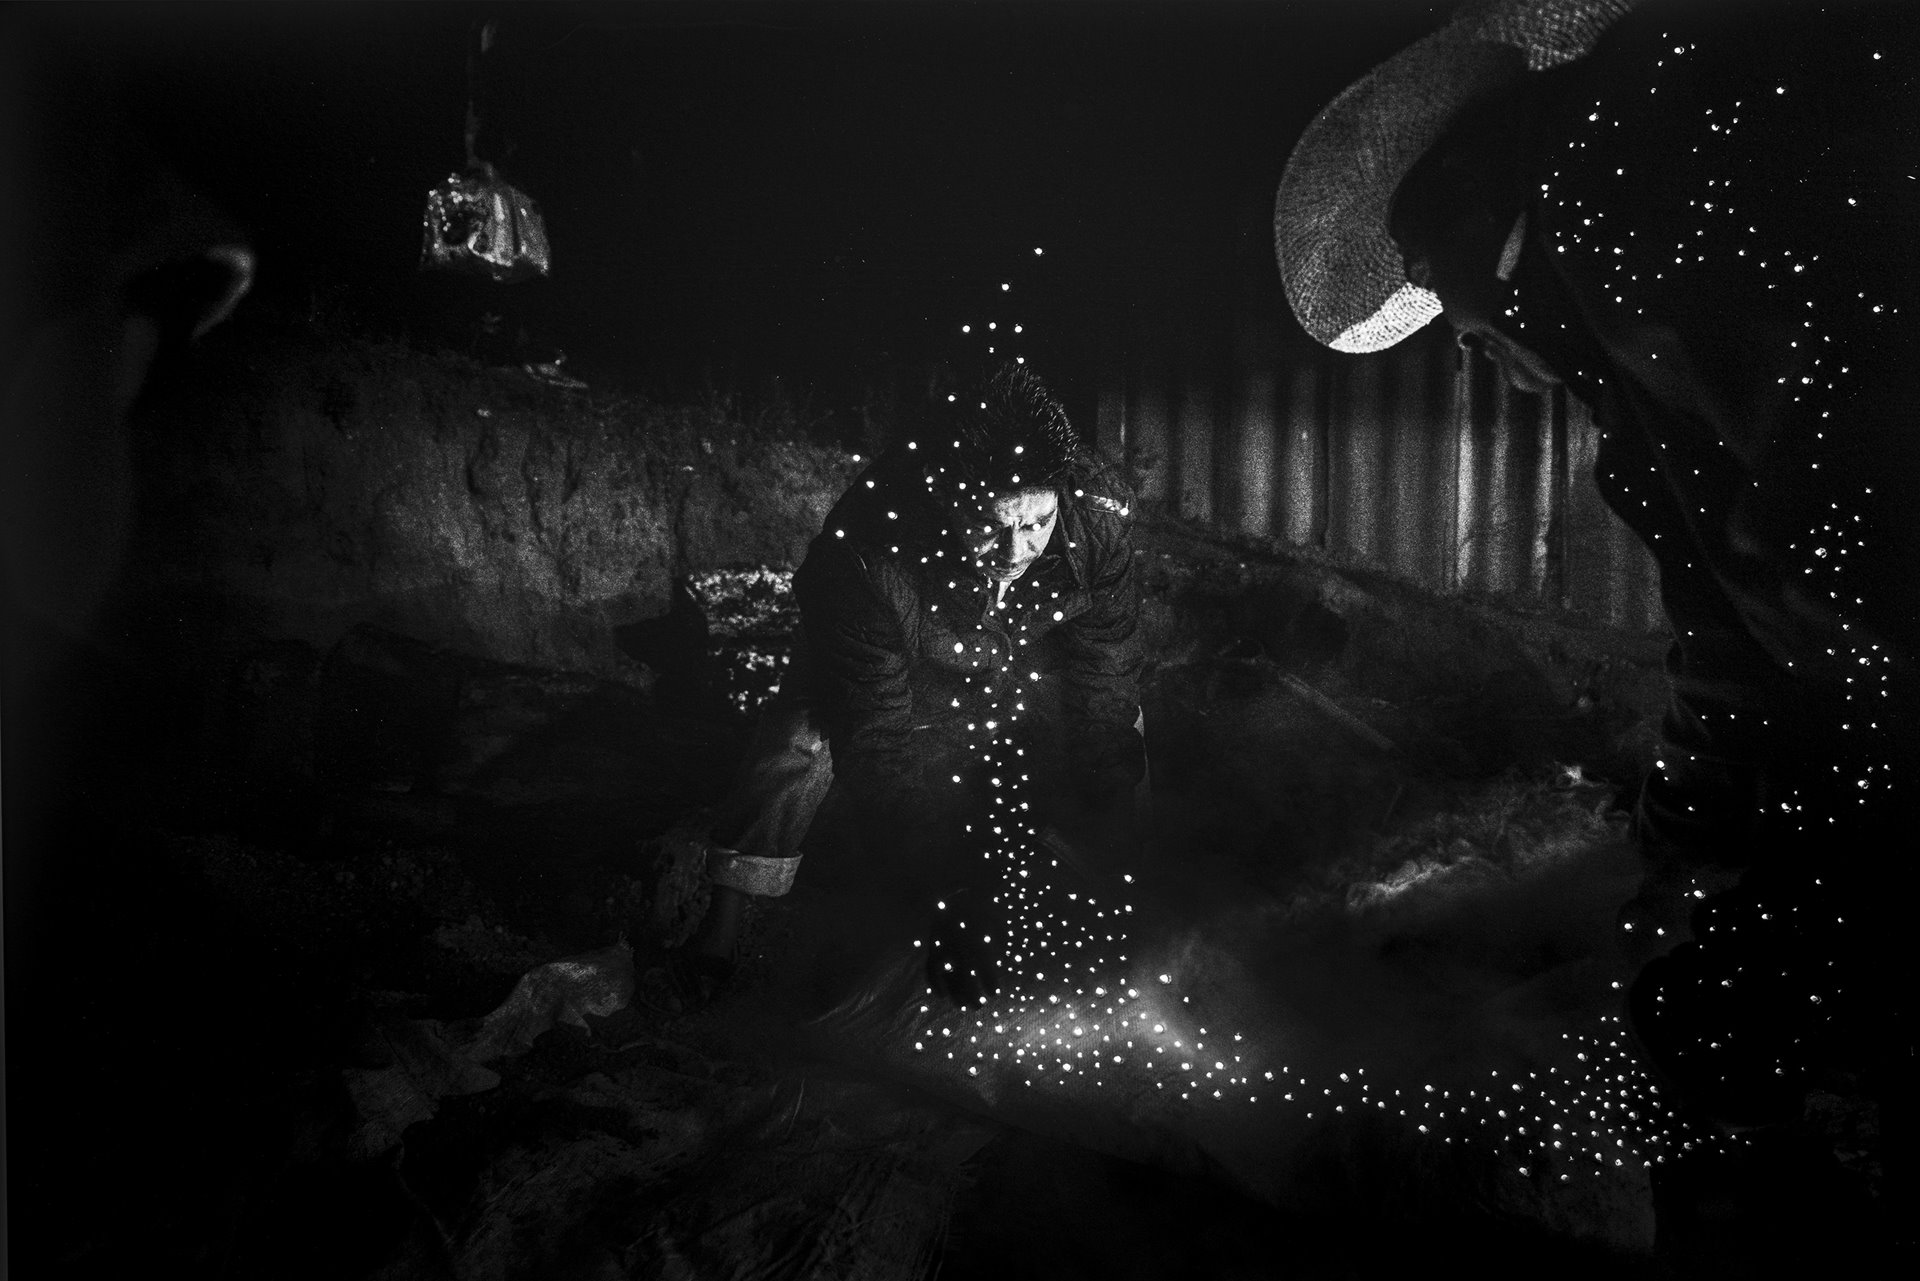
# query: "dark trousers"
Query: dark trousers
782,784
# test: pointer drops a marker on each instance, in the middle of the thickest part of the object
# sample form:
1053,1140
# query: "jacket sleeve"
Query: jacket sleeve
857,657
1102,666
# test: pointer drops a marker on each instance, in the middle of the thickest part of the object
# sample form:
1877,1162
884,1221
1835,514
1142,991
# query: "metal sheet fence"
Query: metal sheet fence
1416,461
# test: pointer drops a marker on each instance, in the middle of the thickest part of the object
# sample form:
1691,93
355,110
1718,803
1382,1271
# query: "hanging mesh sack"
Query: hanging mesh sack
479,224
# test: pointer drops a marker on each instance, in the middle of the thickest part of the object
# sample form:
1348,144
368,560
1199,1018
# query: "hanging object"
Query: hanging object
476,222
479,224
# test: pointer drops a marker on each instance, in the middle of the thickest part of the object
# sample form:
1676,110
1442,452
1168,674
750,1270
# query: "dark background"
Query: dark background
778,199
738,192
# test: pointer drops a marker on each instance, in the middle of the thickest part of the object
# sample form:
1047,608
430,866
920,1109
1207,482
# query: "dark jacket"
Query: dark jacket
1720,260
892,627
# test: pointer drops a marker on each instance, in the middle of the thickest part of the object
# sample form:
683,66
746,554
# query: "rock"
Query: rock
320,486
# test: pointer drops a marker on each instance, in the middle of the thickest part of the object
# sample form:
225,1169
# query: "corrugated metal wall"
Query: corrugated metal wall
1416,461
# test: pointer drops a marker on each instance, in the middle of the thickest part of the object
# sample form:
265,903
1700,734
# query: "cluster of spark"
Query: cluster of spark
1730,229
1068,1011
1065,1007
1860,665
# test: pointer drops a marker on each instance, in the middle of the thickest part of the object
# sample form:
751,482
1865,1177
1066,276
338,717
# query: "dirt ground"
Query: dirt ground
342,964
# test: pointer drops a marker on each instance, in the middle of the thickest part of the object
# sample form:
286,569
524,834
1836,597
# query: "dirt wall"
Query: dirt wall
309,486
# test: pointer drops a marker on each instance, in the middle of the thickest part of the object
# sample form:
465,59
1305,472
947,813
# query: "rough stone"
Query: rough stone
315,486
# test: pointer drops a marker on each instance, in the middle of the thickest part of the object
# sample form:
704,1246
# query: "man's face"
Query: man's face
1461,242
1004,537
1460,271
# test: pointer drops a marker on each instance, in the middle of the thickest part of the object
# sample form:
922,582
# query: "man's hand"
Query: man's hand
963,954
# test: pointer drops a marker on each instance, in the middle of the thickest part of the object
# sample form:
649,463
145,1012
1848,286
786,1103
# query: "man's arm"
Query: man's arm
858,658
1102,667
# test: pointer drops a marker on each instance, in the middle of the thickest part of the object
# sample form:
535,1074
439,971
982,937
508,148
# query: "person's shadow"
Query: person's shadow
677,647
